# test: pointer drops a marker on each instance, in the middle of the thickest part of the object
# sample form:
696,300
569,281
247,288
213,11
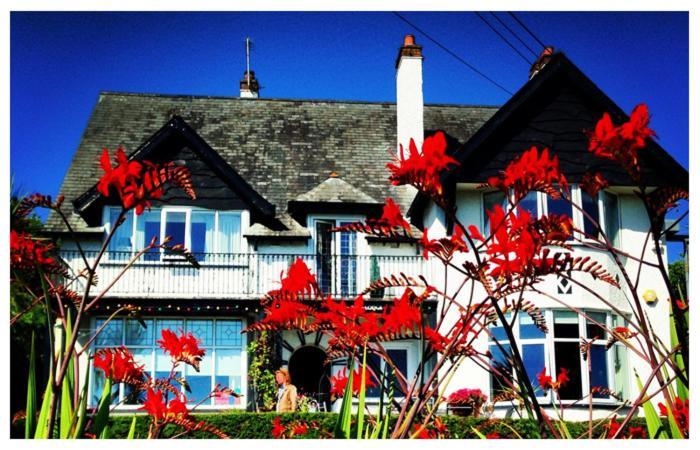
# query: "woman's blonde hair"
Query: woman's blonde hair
285,373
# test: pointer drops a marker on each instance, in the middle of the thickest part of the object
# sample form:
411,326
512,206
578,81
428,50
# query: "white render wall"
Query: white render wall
634,227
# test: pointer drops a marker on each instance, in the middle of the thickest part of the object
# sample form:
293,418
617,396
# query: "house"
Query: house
274,176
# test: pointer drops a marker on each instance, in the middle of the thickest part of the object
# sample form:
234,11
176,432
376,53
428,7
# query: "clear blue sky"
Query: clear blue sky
61,61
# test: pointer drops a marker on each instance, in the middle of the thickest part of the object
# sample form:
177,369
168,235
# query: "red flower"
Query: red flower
402,315
183,348
680,411
119,365
621,143
592,183
340,381
464,397
613,426
392,217
444,248
637,433
299,280
137,183
422,170
300,429
493,435
27,254
155,406
277,428
546,382
436,340
531,172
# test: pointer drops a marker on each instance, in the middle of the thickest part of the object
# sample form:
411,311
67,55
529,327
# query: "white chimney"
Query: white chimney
409,94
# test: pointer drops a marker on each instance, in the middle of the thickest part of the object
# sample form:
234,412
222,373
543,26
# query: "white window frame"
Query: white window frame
412,348
211,352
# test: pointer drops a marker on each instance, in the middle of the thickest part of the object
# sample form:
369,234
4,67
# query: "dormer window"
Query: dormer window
206,233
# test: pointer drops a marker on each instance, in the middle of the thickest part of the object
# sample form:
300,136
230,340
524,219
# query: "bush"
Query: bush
245,425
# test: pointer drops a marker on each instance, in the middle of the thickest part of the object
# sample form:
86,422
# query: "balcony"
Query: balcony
241,275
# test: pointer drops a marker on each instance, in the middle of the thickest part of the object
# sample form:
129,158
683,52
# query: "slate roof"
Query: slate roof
335,190
283,148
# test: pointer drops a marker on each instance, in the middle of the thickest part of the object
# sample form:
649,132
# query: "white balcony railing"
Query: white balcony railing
241,275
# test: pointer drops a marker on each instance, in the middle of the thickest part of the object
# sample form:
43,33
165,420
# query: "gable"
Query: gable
554,110
217,185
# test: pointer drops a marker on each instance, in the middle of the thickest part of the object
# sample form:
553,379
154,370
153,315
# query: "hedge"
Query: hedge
246,425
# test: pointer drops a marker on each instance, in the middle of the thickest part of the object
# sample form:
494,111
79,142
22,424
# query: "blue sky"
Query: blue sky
61,61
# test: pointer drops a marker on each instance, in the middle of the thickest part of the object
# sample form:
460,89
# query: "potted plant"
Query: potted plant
466,402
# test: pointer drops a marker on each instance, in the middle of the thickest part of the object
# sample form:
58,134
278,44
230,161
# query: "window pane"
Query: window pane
120,245
400,360
501,363
148,227
528,329
229,233
142,356
593,330
373,363
228,374
590,206
599,369
348,262
228,332
202,234
533,358
99,385
175,227
163,367
136,334
566,324
492,199
111,335
612,218
567,355
200,382
202,330
497,330
558,206
529,204
174,325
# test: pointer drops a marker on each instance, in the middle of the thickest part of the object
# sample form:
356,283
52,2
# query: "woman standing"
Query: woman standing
287,393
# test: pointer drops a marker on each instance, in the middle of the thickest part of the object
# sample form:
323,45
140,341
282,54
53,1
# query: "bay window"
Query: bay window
224,362
598,372
204,232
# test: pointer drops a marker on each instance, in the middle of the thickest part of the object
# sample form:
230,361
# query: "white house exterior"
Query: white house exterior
273,176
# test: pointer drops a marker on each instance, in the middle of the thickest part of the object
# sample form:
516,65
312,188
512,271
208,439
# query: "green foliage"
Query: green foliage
676,273
261,372
246,425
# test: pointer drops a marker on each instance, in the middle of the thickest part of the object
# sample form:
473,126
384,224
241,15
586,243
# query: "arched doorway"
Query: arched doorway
310,374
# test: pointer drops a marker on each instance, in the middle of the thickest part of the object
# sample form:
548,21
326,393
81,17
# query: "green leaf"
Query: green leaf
102,415
42,424
80,412
342,426
361,400
30,421
132,429
676,432
478,433
654,424
681,388
66,417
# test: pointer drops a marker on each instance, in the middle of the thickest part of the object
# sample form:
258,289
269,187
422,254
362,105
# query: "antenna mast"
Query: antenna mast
247,59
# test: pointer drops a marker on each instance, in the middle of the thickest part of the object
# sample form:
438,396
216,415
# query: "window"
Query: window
592,214
209,235
491,199
336,256
224,362
399,356
560,348
611,215
531,343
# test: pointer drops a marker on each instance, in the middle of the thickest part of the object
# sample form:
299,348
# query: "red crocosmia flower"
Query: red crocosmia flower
436,340
682,305
612,428
392,217
493,435
184,348
546,382
423,432
155,407
680,411
277,428
622,143
532,171
423,169
300,429
402,316
137,183
637,433
444,248
340,381
283,314
28,254
299,280
119,365
592,183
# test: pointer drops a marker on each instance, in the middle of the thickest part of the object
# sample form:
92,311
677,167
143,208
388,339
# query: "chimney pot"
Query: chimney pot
249,85
409,40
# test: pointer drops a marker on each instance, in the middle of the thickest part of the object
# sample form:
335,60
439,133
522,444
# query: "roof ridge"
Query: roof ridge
278,99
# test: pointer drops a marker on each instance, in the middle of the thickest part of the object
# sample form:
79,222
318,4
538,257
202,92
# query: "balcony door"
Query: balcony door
336,260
